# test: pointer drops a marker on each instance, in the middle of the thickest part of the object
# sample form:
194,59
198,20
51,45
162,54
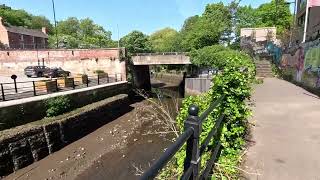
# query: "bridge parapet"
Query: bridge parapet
161,58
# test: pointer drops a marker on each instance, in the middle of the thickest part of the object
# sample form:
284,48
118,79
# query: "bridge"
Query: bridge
142,61
174,58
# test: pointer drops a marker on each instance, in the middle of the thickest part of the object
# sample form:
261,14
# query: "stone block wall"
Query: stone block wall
84,61
22,112
21,146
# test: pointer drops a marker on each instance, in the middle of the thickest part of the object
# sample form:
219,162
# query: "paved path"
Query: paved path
286,133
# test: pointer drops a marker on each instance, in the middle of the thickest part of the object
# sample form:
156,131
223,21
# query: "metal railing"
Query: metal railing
20,90
191,136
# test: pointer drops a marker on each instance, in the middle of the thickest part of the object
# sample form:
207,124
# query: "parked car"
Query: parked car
35,71
43,71
56,72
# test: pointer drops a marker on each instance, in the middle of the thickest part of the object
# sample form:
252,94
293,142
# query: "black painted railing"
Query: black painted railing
194,151
20,90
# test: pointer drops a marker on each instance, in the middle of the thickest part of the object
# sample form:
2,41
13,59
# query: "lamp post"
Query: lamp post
55,22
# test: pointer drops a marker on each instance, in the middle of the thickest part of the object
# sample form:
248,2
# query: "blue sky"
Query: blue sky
144,15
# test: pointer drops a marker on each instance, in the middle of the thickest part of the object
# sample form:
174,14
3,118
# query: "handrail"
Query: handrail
211,108
191,136
213,132
168,154
18,90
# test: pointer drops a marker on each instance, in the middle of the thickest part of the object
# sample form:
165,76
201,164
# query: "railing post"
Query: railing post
108,78
34,88
193,159
57,88
73,84
87,81
98,79
15,85
115,76
2,93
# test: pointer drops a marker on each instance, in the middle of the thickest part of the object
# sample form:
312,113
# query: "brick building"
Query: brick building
313,28
13,37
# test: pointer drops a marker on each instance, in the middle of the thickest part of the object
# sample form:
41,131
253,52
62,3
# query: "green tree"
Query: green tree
208,29
70,26
74,33
276,13
136,42
37,22
164,40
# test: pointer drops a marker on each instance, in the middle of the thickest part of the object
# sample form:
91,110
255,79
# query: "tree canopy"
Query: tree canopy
136,42
164,40
22,18
83,33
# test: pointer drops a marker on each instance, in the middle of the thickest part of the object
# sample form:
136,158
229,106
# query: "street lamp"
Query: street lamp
55,22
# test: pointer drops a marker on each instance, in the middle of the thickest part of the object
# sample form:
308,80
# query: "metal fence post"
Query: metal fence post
2,93
193,159
34,88
98,79
87,81
115,76
73,84
15,85
108,78
57,88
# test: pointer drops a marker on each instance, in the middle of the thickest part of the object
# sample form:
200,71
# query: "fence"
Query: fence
19,90
191,136
197,85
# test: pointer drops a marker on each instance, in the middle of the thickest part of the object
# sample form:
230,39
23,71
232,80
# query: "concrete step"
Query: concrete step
264,68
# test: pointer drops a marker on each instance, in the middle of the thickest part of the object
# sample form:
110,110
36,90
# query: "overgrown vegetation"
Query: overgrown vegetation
237,73
99,71
58,105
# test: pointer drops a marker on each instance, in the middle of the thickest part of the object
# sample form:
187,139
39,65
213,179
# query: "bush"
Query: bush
238,73
99,71
57,106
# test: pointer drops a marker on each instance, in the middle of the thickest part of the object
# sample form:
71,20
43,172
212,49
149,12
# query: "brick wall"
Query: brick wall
76,61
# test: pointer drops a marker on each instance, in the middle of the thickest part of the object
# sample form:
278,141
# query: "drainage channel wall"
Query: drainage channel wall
23,111
23,145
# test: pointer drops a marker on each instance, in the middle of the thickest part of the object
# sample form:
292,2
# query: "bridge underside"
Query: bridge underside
161,60
141,63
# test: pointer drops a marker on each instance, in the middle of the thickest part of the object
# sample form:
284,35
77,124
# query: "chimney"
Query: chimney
44,30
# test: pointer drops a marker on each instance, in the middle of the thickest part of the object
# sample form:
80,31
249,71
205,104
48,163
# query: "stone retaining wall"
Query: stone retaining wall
23,145
19,112
168,78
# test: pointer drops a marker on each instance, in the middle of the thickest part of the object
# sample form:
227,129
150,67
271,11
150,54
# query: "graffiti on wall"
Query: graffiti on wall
306,62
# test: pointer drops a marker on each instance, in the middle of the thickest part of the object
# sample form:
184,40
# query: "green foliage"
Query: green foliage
99,71
206,30
136,42
266,15
164,40
58,105
84,33
234,81
22,18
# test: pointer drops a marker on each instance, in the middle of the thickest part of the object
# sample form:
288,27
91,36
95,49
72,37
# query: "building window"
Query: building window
21,37
301,20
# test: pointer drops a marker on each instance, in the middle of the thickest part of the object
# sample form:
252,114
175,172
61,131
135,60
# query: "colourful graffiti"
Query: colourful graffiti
313,58
306,62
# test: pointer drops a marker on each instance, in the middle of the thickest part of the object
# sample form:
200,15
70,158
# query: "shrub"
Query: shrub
99,71
238,73
58,105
